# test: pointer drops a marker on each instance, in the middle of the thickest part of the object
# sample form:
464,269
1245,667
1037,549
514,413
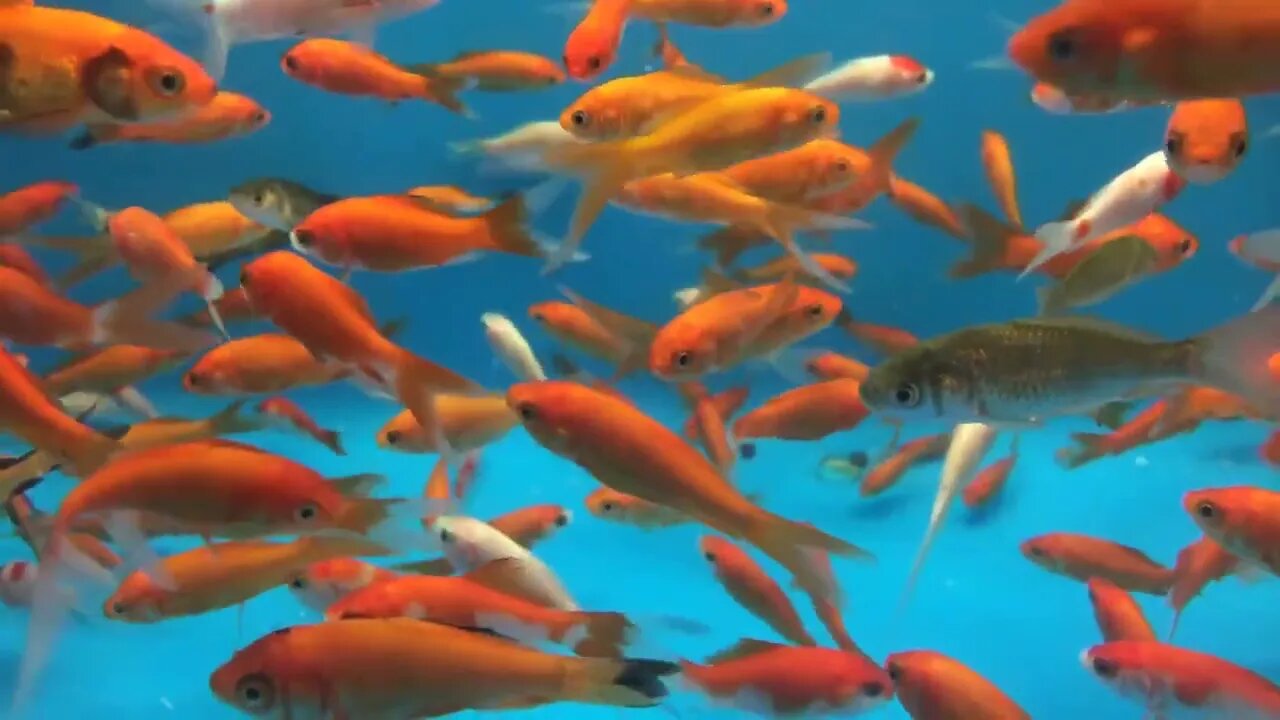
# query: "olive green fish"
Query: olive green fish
1107,271
277,203
1029,370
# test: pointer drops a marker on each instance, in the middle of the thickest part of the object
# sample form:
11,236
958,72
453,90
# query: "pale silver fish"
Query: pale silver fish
470,544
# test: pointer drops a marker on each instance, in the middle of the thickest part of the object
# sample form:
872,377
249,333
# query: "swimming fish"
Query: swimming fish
1109,269
932,686
283,411
1083,557
753,589
350,69
1206,139
878,77
227,115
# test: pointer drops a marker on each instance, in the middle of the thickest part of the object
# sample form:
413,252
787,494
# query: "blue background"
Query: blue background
979,600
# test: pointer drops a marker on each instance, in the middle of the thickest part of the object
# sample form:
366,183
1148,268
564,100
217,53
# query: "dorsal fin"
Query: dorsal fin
743,649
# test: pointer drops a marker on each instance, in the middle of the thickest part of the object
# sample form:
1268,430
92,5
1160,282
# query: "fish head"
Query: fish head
323,583
255,678
590,49
273,277
265,201
683,352
250,116
607,504
139,599
718,551
470,543
1206,139
912,74
798,116
915,384
1173,243
1217,510
757,13
142,78
860,685
533,524
1124,666
1077,47
1040,551
593,117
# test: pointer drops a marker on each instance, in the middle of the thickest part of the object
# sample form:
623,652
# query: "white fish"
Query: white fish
879,77
242,21
470,544
522,148
1131,196
505,339
1262,250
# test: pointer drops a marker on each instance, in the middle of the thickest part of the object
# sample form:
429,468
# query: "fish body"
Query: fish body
932,686
1083,557
268,363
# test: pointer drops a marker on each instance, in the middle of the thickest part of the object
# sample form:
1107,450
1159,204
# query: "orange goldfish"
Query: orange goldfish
809,412
1153,50
286,412
1243,520
609,504
1118,615
221,575
753,589
593,44
89,69
227,115
737,326
28,206
932,686
883,339
269,363
711,13
394,233
496,70
1000,174
817,168
832,265
598,331
1206,139
1083,557
464,423
634,454
925,207
876,176
726,404
474,600
833,366
1166,679
323,583
1199,564
991,480
350,69
1138,431
887,474
335,323
709,425
402,667
110,370
780,681
17,258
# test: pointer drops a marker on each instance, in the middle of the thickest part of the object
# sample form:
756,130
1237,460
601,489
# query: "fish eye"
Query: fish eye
255,692
1173,145
1062,45
813,311
858,458
872,689
1185,246
298,583
527,411
907,394
594,62
445,536
710,556
922,78
260,118
562,519
580,118
1036,550
291,63
766,10
684,358
1241,147
194,379
842,166
303,238
606,506
244,277
305,513
818,115
1105,668
169,82
894,670
118,609
393,437
1206,510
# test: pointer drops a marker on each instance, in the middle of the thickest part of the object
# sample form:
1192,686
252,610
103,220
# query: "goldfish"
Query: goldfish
932,686
833,366
1194,404
593,43
771,680
64,67
809,412
1083,557
324,582
1048,361
1118,616
1104,272
511,347
1167,678
397,667
609,504
451,199
285,412
1206,139
816,168
708,425
1261,250
350,69
277,203
992,479
110,369
998,164
228,115
878,77
877,176
218,232
1198,564
1136,432
221,575
17,258
463,422
734,327
634,454
35,315
711,136
710,13
468,601
394,233
1131,196
497,70
753,589
470,544
886,474
925,207
597,331
1147,50
269,363
26,207
1241,520
885,339
334,323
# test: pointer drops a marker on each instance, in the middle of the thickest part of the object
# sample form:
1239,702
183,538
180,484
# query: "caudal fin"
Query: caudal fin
444,92
1237,358
621,683
792,545
1269,295
875,180
1056,238
127,320
230,421
607,634
989,242
508,230
782,222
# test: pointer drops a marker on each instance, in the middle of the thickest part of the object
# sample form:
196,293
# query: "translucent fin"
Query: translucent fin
1269,295
125,529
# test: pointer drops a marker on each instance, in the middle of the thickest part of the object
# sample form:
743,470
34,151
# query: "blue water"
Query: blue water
979,600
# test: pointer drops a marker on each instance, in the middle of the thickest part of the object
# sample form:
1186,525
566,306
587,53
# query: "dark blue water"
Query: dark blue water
978,601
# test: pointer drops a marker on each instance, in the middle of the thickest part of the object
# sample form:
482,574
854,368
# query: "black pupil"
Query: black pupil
259,199
562,520
290,63
1104,668
304,237
608,507
767,10
1037,551
895,672
711,557
593,62
307,513
1206,510
445,536
1061,47
872,689
579,118
1172,145
118,608
922,78
298,583
252,694
393,437
906,394
819,114
169,82
683,359
1186,246
815,311
1241,147
193,379
526,412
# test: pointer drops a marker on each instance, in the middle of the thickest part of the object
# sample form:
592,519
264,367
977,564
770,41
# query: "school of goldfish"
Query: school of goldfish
426,611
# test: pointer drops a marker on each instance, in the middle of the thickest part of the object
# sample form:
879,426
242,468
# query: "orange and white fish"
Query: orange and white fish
322,583
753,589
1083,557
287,413
932,686
350,69
228,115
1206,139
879,77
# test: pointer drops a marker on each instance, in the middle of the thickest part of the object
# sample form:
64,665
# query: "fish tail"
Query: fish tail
607,633
508,230
875,180
332,440
794,73
1090,447
792,545
990,241
444,92
728,243
230,421
128,320
1235,357
621,683
1269,295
